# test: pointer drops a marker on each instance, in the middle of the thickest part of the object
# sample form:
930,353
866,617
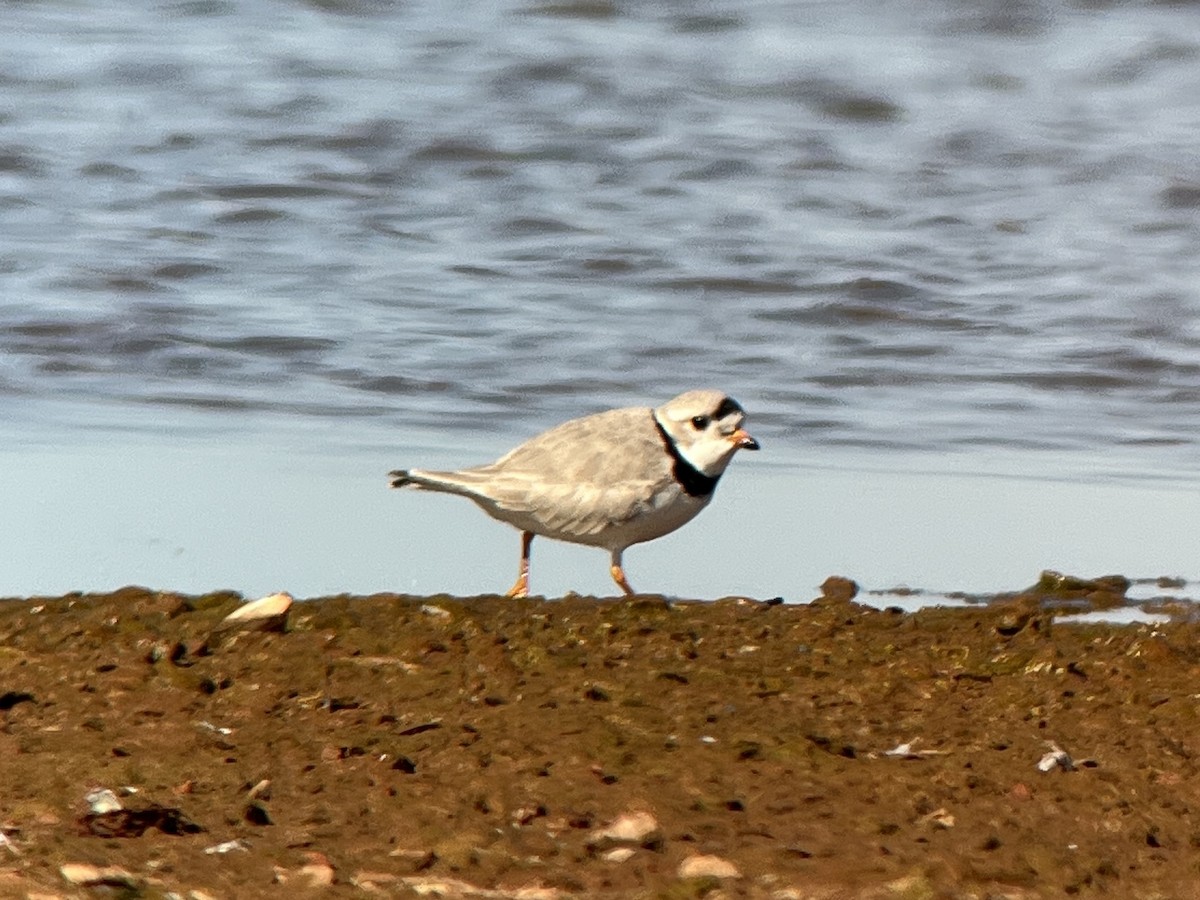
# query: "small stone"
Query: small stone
598,693
136,822
939,818
158,652
257,814
317,871
526,814
640,828
373,882
838,589
452,887
87,875
910,886
618,854
1013,621
420,859
708,867
440,887
260,791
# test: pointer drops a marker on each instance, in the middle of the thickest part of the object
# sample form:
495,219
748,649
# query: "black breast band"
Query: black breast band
694,482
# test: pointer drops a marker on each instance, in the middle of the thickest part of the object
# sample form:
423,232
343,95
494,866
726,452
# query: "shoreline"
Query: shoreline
325,523
416,746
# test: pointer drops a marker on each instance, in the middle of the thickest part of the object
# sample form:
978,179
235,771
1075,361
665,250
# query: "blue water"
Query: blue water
254,255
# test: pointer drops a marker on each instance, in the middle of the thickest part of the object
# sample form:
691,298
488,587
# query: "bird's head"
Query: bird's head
706,428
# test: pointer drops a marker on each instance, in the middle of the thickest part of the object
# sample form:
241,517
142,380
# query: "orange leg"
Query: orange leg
618,574
521,588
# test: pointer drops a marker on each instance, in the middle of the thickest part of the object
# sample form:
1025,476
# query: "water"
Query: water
945,254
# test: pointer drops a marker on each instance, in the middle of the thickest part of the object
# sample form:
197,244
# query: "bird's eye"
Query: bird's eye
700,422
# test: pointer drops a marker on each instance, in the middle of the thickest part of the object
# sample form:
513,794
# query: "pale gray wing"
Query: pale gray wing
584,475
603,449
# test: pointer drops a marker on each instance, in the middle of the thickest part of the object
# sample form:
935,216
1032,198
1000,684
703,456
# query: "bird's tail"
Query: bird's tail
444,482
400,478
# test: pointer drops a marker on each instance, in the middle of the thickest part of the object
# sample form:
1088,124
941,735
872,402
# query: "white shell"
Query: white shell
1057,757
102,800
262,614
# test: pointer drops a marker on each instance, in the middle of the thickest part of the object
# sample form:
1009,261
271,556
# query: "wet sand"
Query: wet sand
402,746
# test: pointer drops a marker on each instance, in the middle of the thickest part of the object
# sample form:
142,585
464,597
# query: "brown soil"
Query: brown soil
437,746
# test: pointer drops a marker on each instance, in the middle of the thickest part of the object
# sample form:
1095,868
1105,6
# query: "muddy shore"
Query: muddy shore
399,746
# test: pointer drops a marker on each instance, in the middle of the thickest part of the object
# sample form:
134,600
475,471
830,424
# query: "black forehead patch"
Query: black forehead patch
728,406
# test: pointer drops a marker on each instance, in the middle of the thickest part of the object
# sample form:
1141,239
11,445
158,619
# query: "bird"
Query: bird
610,480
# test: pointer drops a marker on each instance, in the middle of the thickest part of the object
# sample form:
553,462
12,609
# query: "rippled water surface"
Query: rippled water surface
900,233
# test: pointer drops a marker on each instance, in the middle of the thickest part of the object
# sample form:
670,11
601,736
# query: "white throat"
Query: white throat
709,456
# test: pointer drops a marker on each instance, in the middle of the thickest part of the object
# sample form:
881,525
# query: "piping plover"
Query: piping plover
608,480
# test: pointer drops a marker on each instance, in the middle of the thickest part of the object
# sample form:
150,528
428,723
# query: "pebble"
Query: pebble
421,859
373,882
262,790
939,818
452,887
838,589
639,828
318,870
618,854
526,814
708,867
87,875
